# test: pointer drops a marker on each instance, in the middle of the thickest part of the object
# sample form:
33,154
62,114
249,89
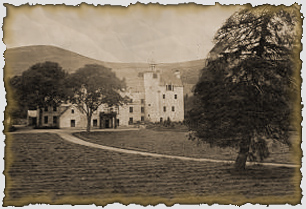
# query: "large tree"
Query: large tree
248,90
94,85
43,84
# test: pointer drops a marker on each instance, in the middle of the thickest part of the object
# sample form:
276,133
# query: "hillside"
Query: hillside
20,59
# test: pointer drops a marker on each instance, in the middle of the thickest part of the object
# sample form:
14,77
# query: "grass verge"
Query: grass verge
43,168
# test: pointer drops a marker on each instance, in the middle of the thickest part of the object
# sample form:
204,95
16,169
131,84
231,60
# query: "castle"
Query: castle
154,97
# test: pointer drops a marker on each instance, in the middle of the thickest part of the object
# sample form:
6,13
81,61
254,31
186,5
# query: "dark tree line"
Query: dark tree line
47,84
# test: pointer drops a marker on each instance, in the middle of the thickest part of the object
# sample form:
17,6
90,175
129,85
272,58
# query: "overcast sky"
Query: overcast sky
134,34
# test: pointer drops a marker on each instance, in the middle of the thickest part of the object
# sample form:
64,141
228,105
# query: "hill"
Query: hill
20,59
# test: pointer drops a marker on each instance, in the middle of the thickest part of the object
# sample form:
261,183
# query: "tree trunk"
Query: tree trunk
88,123
243,155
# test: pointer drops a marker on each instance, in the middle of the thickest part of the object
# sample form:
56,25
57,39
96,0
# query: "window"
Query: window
72,123
165,109
54,119
54,108
131,100
142,109
154,75
148,115
149,104
130,121
72,111
46,109
175,96
161,120
142,101
164,96
95,123
169,88
142,118
46,119
131,109
118,122
173,109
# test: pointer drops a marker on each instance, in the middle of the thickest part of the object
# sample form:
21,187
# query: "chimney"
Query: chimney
153,67
177,74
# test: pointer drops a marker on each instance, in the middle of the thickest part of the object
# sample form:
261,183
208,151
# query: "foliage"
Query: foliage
42,84
94,85
247,91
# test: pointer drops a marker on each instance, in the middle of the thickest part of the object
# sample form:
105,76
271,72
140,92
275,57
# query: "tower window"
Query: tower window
164,96
175,96
131,109
72,111
46,109
165,109
169,88
154,75
173,109
142,118
142,101
54,108
142,109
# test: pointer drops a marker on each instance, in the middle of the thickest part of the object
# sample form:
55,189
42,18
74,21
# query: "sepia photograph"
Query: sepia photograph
152,104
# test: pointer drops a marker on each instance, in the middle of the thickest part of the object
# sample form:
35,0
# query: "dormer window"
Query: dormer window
169,88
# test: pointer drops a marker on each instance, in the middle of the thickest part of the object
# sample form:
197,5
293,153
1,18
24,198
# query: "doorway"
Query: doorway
72,123
106,123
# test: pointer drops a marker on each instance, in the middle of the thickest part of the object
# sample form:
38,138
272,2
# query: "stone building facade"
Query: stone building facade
154,97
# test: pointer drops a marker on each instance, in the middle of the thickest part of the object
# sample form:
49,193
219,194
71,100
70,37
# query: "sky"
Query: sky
139,33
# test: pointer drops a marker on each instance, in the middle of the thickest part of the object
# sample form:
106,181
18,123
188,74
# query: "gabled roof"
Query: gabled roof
67,107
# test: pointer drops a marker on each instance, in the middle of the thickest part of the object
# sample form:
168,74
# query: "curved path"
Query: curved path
73,139
66,134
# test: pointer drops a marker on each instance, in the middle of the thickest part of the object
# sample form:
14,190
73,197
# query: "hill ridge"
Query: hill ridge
19,59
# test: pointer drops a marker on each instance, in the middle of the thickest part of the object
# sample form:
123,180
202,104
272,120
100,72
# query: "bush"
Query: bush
12,129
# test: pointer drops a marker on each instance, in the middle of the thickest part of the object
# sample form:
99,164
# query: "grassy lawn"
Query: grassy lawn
44,168
176,143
